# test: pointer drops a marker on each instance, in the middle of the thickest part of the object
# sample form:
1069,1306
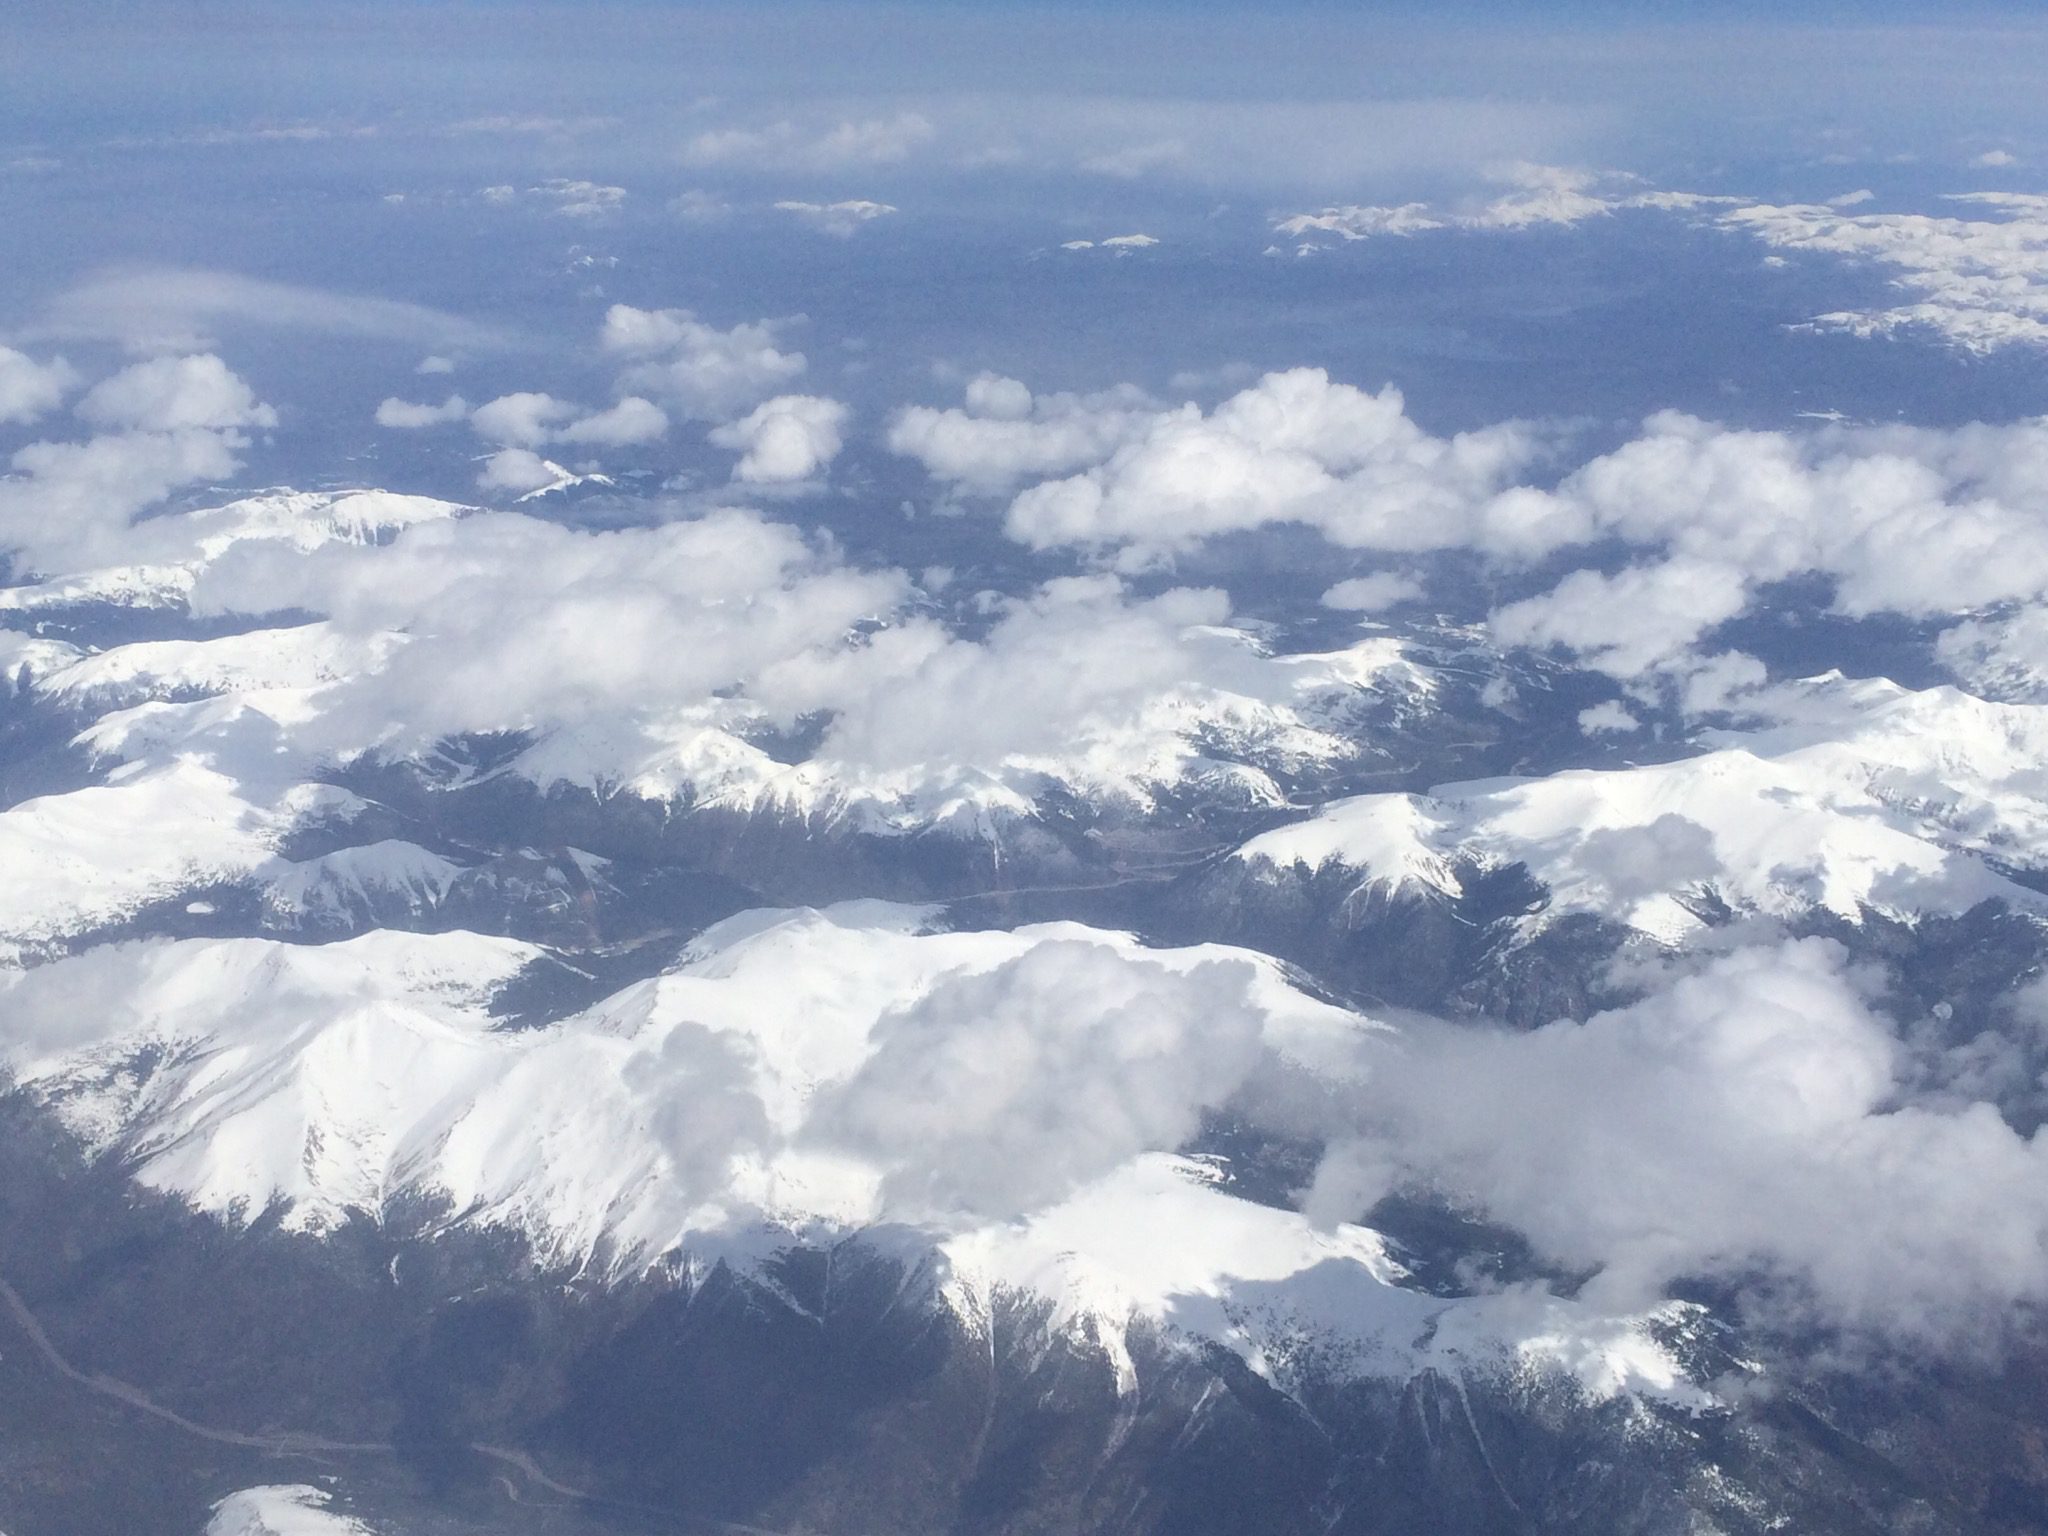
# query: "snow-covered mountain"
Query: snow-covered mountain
382,918
215,758
313,1084
1853,796
163,556
720,817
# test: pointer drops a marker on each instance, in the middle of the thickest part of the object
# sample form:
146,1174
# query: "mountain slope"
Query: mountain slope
1859,796
316,1082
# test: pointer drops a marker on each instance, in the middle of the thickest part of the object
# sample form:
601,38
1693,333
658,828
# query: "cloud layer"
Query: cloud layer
1742,1123
1897,520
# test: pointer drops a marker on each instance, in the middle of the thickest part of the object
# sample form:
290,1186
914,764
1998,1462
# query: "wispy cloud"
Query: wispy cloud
176,308
788,145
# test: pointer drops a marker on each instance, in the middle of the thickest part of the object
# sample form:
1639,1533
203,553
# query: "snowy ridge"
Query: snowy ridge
1283,715
303,656
341,1080
1215,716
26,658
166,554
151,833
257,708
1156,1244
352,886
199,786
1853,795
1007,1112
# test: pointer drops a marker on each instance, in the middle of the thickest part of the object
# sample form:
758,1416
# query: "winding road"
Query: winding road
292,1443
126,1392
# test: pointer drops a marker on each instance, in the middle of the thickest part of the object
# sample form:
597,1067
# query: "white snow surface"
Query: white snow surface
263,715
104,853
1288,712
166,554
25,658
370,1079
293,699
337,889
338,1081
281,1509
1157,1243
303,656
330,1077
1852,795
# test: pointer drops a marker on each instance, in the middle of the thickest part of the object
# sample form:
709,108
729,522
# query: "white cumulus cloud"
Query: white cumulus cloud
407,415
29,389
705,373
173,394
632,420
1742,1122
519,471
1369,594
1006,434
785,440
524,419
1295,447
531,419
1002,1091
